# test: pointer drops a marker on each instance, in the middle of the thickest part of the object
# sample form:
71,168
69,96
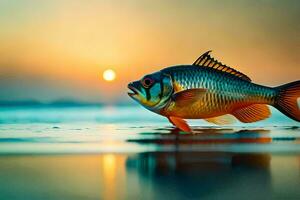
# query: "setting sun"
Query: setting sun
109,75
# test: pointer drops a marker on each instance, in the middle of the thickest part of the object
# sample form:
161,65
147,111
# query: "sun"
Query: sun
109,75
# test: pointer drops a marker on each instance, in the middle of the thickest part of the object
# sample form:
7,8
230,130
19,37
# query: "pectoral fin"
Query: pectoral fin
221,120
253,113
180,123
189,96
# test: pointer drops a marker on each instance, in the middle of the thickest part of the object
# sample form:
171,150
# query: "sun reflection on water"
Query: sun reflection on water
113,169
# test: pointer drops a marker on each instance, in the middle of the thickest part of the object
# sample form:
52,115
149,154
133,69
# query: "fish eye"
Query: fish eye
147,82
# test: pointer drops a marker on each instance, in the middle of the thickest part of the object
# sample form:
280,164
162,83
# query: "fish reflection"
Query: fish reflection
194,175
205,136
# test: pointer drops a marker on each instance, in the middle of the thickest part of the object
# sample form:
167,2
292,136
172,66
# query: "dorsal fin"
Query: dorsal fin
205,60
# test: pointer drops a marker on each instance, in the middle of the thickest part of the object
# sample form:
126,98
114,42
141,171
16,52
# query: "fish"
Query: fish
212,91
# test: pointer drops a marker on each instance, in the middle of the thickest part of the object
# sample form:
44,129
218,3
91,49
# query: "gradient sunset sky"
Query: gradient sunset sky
58,49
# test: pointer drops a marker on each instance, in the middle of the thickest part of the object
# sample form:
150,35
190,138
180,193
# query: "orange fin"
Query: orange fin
253,113
205,60
180,123
185,97
221,120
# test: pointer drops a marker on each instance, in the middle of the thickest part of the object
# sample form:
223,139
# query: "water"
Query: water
129,153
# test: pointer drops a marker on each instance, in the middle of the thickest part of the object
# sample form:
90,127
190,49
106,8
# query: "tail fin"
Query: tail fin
287,100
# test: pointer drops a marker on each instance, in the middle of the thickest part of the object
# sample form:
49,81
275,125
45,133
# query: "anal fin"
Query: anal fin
221,120
180,123
252,113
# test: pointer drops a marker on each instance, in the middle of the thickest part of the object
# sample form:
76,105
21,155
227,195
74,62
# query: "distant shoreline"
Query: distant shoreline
58,103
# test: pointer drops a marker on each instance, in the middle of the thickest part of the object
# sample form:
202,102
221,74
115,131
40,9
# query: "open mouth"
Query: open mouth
133,91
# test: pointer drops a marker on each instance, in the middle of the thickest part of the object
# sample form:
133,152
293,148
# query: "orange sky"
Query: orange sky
58,49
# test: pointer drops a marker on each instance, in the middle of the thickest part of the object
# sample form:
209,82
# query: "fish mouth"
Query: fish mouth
133,91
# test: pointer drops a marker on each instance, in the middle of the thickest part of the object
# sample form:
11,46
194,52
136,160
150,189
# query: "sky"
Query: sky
58,49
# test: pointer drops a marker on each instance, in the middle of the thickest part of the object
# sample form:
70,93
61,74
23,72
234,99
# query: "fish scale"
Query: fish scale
224,92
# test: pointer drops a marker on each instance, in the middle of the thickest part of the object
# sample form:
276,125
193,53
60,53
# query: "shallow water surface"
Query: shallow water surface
130,153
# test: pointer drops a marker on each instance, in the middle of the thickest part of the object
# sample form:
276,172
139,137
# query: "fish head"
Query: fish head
152,91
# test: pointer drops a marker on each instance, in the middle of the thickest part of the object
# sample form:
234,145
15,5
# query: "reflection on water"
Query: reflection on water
114,138
83,153
151,175
113,169
206,136
193,175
